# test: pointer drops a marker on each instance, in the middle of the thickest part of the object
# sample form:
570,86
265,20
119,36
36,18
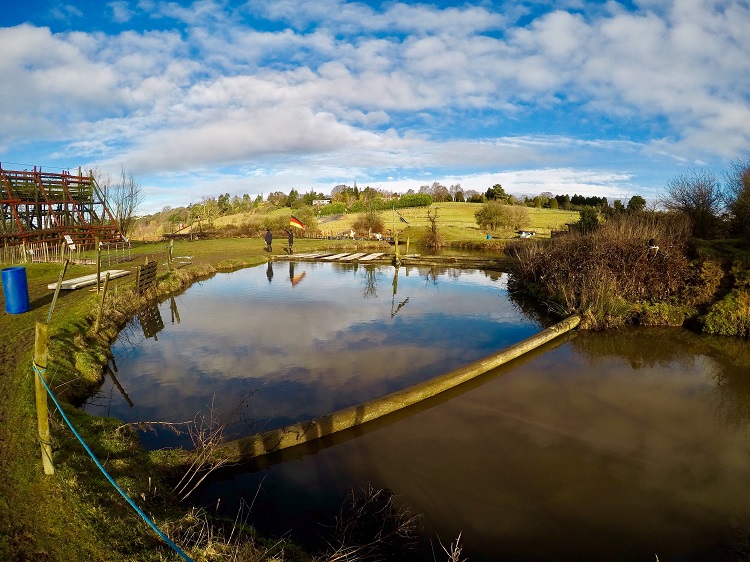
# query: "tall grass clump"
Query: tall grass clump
602,274
730,316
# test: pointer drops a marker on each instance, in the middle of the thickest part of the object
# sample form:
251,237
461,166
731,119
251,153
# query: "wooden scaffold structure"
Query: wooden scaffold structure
54,210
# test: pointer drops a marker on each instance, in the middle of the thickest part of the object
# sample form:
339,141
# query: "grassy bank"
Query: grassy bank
74,514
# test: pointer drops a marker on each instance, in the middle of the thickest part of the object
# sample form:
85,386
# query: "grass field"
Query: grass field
456,221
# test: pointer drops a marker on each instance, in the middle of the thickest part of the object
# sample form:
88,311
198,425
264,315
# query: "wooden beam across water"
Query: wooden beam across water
247,448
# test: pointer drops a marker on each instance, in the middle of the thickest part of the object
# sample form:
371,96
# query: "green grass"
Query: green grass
75,514
457,223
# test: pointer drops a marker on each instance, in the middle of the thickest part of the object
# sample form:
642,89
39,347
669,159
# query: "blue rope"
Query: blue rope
39,371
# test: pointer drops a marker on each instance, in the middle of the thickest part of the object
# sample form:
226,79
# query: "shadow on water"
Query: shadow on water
647,347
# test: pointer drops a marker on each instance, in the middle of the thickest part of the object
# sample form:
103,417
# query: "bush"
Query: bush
588,220
663,314
433,238
730,316
413,200
490,215
333,209
493,215
605,273
368,222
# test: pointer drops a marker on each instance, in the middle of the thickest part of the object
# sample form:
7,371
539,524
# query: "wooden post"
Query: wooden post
98,264
101,304
42,417
57,291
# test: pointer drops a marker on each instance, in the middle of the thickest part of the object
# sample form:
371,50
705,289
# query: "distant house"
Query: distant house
321,202
526,233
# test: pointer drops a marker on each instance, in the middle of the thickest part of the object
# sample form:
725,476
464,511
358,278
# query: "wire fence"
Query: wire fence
41,374
110,253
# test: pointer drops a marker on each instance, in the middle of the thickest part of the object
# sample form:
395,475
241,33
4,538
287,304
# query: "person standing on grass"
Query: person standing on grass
291,240
269,238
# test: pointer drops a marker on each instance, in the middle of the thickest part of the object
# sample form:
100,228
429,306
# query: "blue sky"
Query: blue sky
202,98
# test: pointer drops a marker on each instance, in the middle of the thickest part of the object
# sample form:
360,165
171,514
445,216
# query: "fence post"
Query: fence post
98,264
42,416
169,256
101,304
57,291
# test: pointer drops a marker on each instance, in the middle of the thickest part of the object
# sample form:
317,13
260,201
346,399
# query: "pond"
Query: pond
616,446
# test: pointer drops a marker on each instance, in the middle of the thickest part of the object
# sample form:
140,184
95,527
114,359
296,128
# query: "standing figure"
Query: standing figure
269,238
291,240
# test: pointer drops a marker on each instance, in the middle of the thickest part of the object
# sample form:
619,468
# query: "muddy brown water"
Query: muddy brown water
617,446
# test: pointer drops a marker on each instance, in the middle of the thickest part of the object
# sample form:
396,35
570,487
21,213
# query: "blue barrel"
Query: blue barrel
16,290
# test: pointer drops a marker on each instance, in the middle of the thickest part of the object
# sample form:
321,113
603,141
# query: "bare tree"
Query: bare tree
124,198
738,195
697,195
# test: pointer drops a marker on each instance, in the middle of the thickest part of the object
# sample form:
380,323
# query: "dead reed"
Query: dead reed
631,258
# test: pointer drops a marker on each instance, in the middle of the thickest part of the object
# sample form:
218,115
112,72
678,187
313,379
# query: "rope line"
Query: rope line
38,370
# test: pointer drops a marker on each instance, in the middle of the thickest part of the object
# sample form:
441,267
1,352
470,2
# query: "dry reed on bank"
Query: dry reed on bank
603,273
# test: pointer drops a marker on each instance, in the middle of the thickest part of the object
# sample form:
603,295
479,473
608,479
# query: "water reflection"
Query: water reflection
150,320
394,308
295,279
173,310
308,348
613,446
604,448
111,370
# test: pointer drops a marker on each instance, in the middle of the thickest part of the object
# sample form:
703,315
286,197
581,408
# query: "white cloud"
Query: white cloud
121,12
396,91
66,12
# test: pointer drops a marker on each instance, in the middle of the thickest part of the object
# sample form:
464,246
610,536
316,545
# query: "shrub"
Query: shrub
369,221
490,215
493,215
588,220
433,238
413,200
604,273
663,314
730,316
337,208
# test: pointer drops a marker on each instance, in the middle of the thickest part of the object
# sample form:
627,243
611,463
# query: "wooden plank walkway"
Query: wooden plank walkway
352,257
86,280
372,256
336,256
498,263
309,256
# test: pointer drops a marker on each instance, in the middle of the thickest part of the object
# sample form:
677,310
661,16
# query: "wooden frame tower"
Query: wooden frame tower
40,206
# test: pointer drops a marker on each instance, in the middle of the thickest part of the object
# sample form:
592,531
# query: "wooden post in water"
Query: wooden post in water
101,304
42,416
